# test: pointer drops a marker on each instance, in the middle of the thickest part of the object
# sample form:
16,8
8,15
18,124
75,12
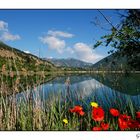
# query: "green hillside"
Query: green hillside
112,62
16,60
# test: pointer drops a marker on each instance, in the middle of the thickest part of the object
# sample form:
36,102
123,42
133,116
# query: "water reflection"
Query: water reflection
86,88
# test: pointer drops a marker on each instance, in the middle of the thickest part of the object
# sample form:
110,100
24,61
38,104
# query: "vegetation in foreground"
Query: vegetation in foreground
60,112
55,116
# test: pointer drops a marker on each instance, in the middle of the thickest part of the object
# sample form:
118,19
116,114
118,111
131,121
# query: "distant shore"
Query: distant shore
62,72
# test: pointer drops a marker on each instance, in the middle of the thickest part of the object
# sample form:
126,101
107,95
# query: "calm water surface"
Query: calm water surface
109,90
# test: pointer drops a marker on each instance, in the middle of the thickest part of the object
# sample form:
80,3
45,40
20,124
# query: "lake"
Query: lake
108,90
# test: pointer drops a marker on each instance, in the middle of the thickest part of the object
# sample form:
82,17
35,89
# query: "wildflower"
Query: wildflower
65,121
138,115
97,114
94,104
96,128
81,113
133,124
123,121
78,110
105,126
122,124
114,112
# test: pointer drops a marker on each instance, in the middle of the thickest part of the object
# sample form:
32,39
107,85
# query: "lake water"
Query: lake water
109,90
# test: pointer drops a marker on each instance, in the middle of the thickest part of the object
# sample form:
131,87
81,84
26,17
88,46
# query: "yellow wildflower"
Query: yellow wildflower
94,104
65,121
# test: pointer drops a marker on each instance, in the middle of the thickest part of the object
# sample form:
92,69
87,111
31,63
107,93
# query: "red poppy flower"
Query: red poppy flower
96,128
97,114
81,113
138,115
122,124
133,124
105,126
123,121
78,110
114,112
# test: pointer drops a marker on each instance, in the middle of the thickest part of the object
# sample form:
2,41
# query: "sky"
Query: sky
57,33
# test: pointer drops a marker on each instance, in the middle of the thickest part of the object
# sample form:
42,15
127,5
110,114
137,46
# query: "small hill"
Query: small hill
69,62
15,59
111,62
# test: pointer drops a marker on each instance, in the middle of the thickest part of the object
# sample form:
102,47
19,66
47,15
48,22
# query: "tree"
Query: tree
125,38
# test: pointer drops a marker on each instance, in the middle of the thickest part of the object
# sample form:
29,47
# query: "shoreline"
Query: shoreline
31,73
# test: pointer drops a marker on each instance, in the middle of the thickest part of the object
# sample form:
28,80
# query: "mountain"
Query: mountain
14,59
69,62
111,62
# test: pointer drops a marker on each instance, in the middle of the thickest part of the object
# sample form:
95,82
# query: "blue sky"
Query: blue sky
56,33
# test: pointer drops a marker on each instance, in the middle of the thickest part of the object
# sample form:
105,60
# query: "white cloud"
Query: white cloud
3,26
54,43
5,35
86,53
69,50
27,52
60,34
